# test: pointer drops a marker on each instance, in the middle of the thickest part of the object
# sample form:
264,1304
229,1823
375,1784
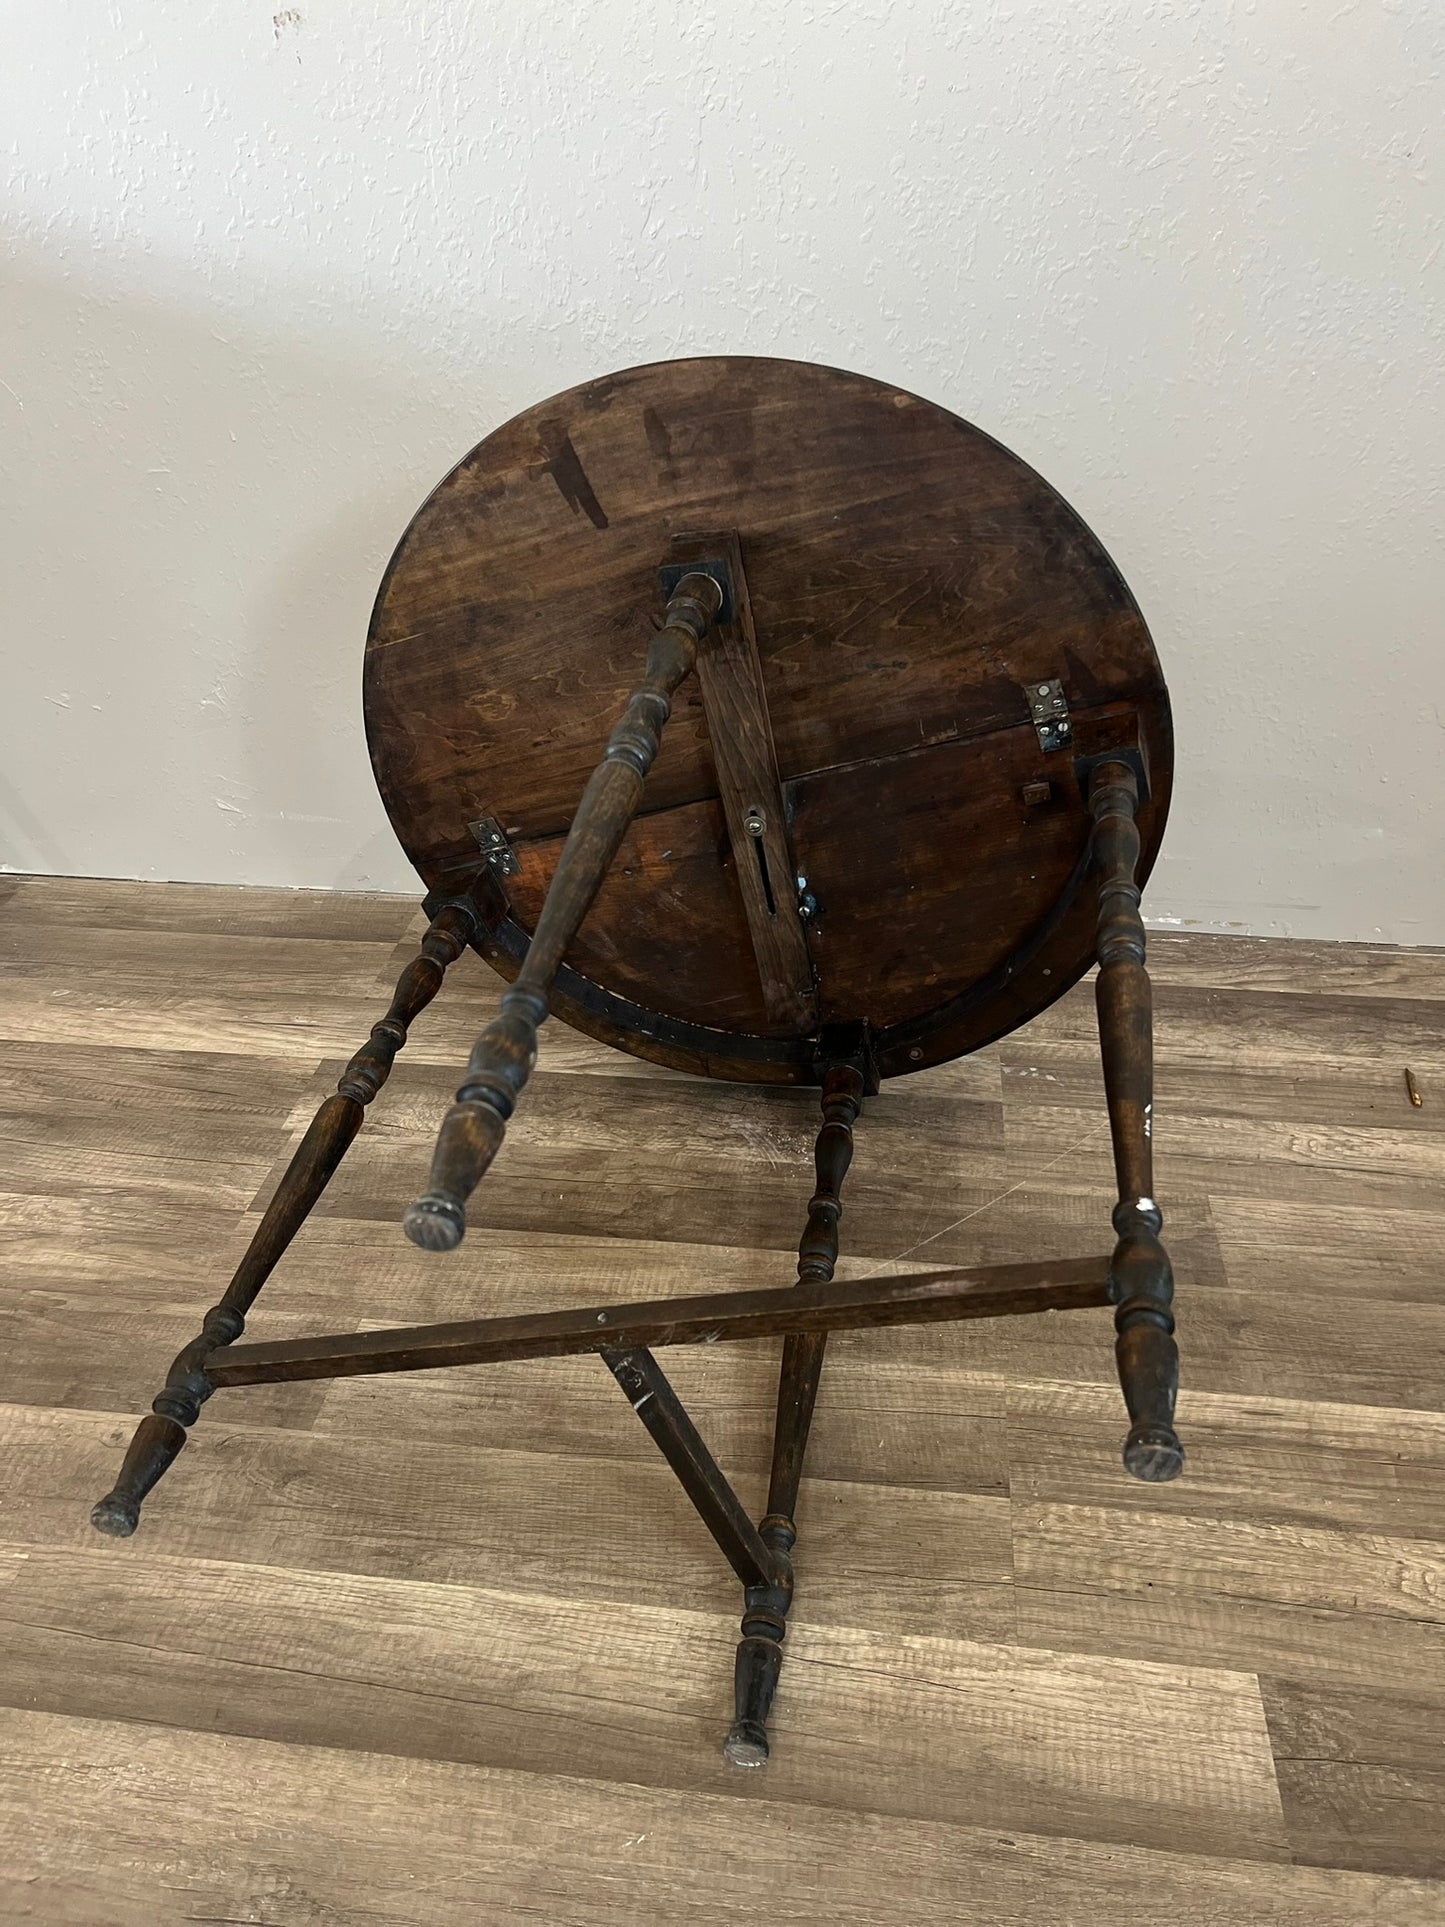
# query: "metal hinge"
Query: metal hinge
493,844
1050,712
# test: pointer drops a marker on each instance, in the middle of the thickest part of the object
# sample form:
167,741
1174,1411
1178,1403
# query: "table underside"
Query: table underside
908,581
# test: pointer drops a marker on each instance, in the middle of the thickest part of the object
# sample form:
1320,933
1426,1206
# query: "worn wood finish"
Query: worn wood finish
919,1298
758,1661
915,568
503,1056
906,581
741,738
698,968
842,1096
161,1435
645,1387
1143,1281
379,1609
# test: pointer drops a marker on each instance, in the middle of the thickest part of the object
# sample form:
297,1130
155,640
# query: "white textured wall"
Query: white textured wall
271,273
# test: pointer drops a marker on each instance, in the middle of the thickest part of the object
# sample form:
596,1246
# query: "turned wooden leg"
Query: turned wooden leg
765,1615
1142,1282
177,1407
503,1056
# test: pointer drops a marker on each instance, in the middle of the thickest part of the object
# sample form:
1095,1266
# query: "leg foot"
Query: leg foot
1140,1274
755,1680
160,1437
760,1652
504,1055
1153,1454
157,1441
1146,1354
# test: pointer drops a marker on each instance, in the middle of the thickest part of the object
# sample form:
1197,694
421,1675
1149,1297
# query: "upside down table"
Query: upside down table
915,769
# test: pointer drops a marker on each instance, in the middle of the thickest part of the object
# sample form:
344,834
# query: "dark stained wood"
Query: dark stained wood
664,929
758,1663
802,1366
741,736
907,579
918,1298
503,1056
160,1436
1148,1357
645,1387
945,681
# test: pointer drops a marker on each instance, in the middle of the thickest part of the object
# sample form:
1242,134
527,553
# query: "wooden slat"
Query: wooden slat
186,1126
1297,967
1364,1096
740,736
180,990
921,1298
1304,1030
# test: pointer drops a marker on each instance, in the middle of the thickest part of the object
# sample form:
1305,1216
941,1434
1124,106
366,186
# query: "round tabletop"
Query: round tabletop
942,648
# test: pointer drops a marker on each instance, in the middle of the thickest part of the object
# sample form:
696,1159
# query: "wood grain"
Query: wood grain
901,581
373,1613
1072,1745
333,1836
740,733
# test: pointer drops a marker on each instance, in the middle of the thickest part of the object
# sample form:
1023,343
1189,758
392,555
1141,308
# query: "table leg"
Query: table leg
1143,1283
503,1056
760,1651
177,1406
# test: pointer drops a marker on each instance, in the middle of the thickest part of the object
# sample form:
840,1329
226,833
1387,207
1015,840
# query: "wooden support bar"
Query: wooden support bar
1143,1281
503,1056
741,735
919,1298
721,1510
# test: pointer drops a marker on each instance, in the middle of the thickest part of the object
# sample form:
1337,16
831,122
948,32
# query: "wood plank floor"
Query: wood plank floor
452,1648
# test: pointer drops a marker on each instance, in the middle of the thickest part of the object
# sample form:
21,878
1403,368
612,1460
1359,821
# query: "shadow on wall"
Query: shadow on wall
198,512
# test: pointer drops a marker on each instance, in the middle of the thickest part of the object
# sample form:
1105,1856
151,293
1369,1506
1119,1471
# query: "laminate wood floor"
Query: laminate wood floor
452,1647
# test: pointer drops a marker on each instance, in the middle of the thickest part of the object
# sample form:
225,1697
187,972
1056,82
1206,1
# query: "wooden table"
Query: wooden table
889,760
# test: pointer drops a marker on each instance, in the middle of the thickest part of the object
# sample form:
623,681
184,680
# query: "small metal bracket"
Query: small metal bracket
671,573
1050,712
493,844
